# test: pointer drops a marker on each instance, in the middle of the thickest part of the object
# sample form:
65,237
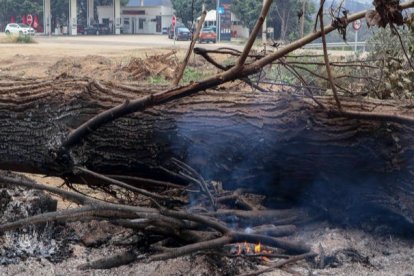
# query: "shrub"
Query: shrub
17,39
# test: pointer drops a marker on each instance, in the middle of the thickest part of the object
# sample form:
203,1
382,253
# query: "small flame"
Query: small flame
257,248
247,247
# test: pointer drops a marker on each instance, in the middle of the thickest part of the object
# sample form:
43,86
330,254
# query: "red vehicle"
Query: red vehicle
207,35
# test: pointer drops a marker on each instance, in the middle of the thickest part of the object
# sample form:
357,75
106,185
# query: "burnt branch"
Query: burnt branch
199,180
110,262
72,196
165,199
197,232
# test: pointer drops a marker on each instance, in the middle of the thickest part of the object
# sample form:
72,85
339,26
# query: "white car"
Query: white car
19,29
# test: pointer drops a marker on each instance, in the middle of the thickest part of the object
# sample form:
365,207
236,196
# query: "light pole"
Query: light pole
47,20
264,28
218,21
302,19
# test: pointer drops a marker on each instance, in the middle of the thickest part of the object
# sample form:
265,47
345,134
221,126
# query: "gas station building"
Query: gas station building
138,16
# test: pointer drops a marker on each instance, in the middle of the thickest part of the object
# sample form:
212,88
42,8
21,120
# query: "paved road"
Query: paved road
108,45
137,41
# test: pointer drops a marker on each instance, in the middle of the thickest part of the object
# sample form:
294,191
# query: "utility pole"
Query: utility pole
218,27
302,19
264,29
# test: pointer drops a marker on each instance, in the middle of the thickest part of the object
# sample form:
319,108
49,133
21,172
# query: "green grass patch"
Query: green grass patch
157,80
190,75
193,75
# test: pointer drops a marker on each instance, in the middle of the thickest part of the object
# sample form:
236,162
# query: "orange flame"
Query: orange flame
257,248
248,249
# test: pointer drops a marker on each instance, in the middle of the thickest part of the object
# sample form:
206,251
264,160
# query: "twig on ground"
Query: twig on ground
282,263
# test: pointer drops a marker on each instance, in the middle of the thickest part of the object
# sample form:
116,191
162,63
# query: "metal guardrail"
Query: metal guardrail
343,45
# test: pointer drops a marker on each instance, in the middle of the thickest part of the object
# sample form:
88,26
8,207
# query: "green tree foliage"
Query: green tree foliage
188,10
397,77
410,25
248,11
283,16
18,8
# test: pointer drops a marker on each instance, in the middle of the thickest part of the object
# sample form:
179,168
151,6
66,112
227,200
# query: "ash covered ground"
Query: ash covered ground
59,248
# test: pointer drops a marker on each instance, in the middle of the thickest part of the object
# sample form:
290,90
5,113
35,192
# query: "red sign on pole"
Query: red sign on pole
36,22
29,19
174,20
356,25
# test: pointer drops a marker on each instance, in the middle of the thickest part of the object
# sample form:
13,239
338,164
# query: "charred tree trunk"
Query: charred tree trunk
271,142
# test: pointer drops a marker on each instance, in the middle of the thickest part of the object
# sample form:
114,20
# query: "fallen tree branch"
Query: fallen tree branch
256,30
204,53
190,49
326,58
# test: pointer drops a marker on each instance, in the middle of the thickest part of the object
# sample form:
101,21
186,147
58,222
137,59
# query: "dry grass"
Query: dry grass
17,39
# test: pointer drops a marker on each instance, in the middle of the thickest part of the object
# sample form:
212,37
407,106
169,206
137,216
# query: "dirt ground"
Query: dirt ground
41,60
346,251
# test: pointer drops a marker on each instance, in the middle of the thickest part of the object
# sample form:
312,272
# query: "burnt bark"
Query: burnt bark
276,143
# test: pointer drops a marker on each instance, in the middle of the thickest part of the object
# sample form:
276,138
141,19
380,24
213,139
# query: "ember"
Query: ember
253,250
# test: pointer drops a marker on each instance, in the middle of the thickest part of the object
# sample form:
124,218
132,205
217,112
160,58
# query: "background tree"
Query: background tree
282,16
247,11
188,11
18,8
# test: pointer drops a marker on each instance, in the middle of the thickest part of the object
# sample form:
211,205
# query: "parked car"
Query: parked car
80,29
182,33
207,35
97,29
171,30
214,28
19,29
165,30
